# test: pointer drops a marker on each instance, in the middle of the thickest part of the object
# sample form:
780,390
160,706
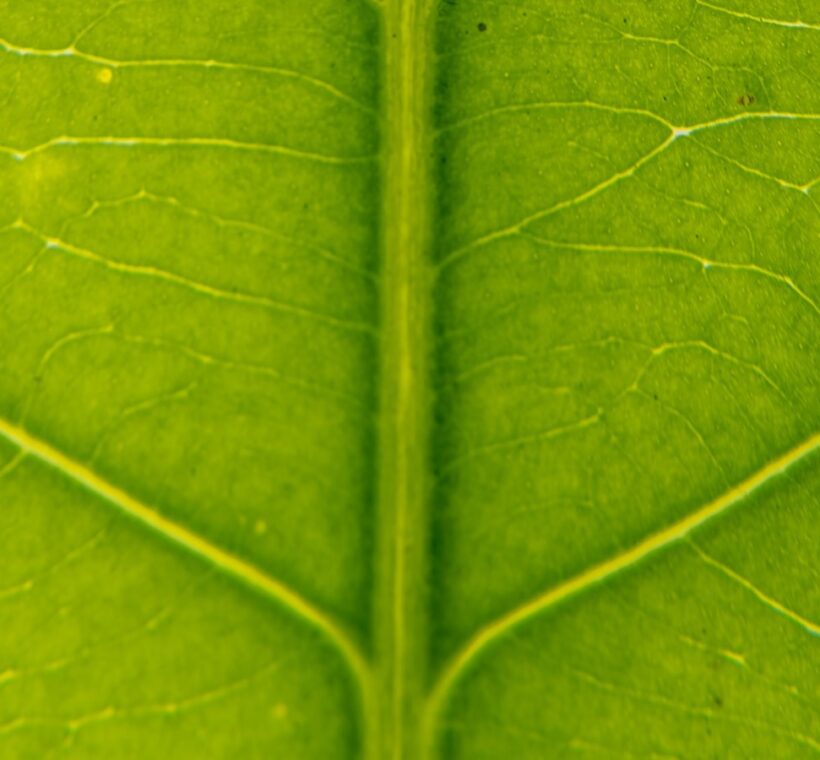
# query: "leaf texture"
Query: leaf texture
427,379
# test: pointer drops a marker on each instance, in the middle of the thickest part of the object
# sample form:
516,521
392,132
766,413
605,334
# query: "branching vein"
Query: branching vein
762,596
208,64
171,531
211,291
602,572
225,143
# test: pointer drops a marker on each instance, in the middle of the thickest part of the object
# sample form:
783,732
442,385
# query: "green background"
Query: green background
617,221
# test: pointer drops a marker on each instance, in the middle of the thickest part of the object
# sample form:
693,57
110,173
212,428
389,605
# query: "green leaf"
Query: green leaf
426,379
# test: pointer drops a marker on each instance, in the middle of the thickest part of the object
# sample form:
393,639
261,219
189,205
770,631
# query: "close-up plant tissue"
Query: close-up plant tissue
409,379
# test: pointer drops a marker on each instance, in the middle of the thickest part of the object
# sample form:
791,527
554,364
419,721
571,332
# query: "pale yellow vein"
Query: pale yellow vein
228,563
767,600
597,574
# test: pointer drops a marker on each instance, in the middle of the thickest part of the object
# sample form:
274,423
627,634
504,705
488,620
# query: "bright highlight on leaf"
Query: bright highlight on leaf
409,379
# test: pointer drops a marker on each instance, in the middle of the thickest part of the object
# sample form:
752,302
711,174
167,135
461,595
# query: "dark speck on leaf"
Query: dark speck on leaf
718,700
746,99
482,27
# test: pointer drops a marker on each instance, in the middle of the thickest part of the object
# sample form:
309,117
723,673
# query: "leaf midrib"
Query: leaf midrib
395,726
400,608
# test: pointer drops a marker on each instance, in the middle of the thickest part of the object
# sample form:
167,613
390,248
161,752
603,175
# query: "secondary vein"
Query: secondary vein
168,529
603,571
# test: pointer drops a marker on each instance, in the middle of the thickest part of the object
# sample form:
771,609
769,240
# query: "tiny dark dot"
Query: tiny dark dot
482,27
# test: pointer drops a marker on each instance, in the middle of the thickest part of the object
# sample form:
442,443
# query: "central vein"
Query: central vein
400,622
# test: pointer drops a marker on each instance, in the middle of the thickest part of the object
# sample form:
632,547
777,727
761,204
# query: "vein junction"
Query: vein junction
675,133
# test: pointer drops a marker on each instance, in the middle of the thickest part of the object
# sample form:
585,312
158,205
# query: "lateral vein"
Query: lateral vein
705,263
675,133
228,563
601,572
204,289
114,141
100,60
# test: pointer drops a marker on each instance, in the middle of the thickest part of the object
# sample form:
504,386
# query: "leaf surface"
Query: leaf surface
428,379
